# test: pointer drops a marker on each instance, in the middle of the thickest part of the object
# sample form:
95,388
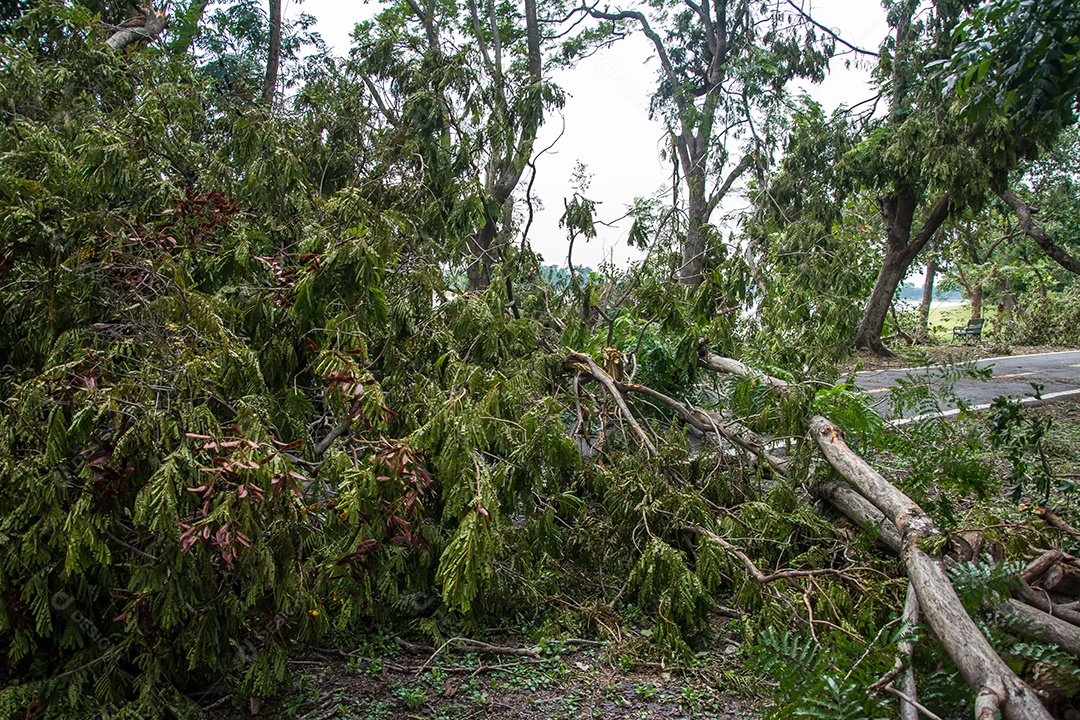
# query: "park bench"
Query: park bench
972,330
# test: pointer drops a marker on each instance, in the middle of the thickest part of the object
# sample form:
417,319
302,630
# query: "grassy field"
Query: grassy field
943,318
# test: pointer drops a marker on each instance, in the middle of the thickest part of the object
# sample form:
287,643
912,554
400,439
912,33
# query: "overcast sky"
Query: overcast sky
607,125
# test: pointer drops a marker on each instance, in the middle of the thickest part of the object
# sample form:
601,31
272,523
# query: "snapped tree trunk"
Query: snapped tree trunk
273,53
898,211
154,23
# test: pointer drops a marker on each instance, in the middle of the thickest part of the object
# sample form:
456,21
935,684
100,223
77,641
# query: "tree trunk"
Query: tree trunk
693,249
480,250
898,212
976,294
927,298
997,688
273,53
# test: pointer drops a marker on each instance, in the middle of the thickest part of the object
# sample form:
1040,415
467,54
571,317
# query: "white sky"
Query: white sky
607,125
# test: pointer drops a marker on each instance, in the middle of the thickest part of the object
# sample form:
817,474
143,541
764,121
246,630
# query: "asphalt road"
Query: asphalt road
1058,372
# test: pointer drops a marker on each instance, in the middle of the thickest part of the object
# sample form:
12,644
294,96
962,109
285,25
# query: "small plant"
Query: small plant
1022,440
413,697
645,690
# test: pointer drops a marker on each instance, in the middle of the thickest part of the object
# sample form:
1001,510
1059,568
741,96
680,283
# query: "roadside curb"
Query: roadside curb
1030,402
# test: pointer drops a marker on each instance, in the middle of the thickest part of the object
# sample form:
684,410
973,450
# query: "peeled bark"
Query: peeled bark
154,23
996,686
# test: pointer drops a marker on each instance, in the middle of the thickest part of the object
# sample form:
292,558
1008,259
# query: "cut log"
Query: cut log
154,23
1039,565
1041,599
1061,578
995,685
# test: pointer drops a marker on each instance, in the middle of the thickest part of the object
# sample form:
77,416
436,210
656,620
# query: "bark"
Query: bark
693,249
1036,232
1035,624
858,509
901,249
585,364
976,294
1041,564
1041,600
927,298
716,363
273,53
996,686
909,709
153,25
1061,578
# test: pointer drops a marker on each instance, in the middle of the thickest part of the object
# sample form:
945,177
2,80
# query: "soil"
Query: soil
566,681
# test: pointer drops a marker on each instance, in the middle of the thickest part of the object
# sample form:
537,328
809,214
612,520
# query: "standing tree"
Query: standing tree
906,157
724,66
465,84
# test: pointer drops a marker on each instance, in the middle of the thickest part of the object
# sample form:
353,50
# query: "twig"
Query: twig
912,701
137,551
749,564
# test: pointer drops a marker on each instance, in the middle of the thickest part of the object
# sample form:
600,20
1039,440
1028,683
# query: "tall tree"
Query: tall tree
464,83
914,197
724,65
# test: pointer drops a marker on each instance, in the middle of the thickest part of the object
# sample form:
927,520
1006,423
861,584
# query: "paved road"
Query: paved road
1059,373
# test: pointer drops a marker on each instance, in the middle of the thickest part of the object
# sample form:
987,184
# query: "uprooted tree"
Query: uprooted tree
249,400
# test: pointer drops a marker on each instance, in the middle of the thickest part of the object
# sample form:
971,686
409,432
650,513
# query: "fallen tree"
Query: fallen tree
903,527
996,686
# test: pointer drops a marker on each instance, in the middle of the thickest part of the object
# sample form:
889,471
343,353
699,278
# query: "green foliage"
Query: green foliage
1022,439
825,680
1020,60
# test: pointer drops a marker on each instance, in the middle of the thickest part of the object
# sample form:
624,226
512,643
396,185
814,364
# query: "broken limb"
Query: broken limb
154,24
720,364
710,422
753,569
584,363
995,685
858,509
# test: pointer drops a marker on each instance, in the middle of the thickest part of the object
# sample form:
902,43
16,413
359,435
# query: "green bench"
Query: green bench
972,330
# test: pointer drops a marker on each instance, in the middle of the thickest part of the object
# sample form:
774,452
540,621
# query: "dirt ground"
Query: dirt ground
572,679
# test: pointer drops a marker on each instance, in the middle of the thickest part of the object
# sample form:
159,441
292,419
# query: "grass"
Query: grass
943,319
